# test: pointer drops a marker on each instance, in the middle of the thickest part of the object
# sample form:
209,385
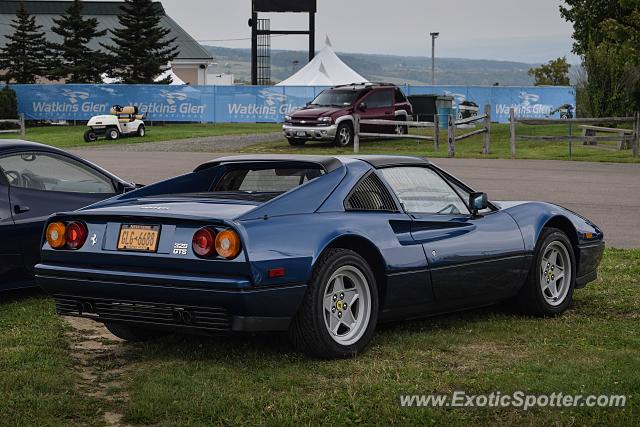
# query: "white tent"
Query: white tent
326,69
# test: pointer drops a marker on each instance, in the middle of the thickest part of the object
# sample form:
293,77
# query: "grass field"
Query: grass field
72,136
257,380
500,147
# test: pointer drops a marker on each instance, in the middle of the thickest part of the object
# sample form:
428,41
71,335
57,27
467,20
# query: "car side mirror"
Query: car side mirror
362,106
478,202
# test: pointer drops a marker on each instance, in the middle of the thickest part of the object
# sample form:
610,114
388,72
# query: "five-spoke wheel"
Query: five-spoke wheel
347,305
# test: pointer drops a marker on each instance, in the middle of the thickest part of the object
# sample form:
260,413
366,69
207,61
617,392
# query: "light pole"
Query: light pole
434,36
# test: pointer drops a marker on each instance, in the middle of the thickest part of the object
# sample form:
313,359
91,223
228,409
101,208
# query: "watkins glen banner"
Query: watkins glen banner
228,104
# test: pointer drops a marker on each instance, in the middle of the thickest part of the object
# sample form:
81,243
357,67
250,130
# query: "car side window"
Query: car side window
52,172
379,99
400,98
421,190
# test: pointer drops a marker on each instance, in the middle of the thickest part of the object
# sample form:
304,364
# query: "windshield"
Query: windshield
336,98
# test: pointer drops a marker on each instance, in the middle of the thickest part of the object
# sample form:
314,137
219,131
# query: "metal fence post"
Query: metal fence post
436,132
356,133
512,131
23,130
487,127
452,136
636,135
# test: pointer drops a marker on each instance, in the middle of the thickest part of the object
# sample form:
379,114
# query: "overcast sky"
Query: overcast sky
519,30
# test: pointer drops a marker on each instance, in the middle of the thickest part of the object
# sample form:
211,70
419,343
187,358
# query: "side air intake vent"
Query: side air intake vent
370,195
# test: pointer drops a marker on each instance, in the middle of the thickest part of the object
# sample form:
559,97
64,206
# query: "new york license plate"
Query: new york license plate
141,238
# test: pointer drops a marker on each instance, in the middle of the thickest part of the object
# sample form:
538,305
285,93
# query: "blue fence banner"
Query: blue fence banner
250,104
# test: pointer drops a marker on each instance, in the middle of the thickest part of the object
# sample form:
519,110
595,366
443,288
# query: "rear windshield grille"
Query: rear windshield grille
370,195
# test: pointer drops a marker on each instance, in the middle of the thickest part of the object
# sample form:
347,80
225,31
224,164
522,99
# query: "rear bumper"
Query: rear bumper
192,303
590,256
310,132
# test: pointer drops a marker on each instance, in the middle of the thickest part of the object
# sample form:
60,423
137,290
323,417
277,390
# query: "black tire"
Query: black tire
295,142
531,300
112,134
133,333
308,331
90,136
344,135
141,132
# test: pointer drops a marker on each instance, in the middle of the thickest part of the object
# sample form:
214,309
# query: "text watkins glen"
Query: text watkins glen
261,110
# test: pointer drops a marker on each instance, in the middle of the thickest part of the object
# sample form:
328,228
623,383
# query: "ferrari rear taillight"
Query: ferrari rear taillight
57,235
204,242
71,235
76,235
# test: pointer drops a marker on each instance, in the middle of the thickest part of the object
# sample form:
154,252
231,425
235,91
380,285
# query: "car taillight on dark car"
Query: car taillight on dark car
71,235
76,235
204,242
208,242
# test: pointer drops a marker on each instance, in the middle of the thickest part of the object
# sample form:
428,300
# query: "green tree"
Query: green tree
553,73
74,61
25,55
140,49
607,37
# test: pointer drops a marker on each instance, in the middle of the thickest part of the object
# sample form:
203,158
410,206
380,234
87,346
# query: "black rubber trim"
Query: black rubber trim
582,281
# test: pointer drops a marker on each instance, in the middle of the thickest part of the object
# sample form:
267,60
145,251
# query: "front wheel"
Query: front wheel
548,290
344,135
339,312
141,131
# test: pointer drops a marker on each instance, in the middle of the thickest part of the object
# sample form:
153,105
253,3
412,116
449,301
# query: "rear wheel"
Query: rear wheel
401,129
340,309
344,135
90,136
296,142
112,133
133,333
549,287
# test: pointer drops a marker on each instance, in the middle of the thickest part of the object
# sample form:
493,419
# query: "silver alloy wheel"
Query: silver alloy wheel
555,273
141,131
113,134
345,136
347,305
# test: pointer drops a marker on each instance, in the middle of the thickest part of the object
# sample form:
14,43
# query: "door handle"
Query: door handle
387,114
21,209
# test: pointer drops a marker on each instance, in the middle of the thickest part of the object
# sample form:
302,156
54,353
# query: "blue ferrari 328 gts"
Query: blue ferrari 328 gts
321,247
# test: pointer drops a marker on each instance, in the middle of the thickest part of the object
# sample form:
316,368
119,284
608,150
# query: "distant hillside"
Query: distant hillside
388,68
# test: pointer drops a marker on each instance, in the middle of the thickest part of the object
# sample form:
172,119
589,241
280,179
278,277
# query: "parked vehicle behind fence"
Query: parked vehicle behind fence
329,117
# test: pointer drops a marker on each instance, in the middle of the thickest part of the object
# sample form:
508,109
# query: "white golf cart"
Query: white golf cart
121,122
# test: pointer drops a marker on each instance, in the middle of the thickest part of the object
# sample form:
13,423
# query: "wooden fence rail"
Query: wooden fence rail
452,125
622,136
20,122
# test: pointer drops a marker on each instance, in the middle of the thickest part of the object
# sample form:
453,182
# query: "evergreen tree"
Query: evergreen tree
74,61
25,55
140,49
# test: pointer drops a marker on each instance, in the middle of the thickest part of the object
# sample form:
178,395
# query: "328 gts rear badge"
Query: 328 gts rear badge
180,248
